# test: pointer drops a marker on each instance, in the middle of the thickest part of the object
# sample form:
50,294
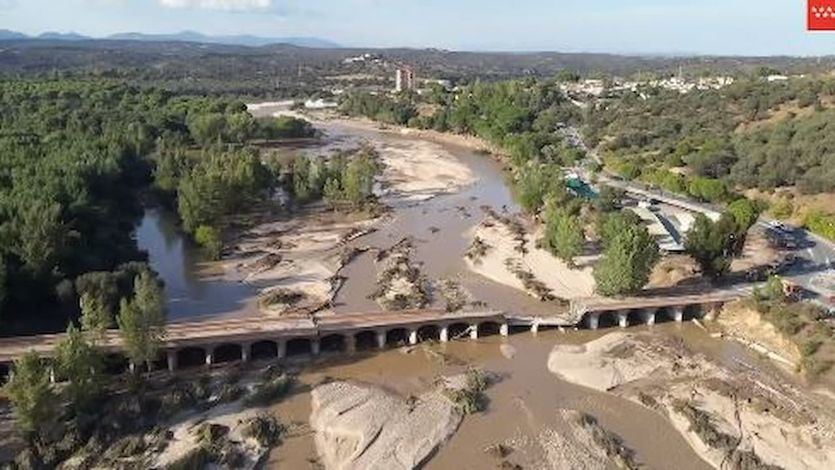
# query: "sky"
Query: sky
726,27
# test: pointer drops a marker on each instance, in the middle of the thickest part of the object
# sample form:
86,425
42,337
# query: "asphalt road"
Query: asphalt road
815,268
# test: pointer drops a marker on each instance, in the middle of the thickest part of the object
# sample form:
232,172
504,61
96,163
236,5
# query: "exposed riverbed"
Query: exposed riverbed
531,410
439,214
523,413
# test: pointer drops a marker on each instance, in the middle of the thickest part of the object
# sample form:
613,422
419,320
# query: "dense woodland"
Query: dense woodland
76,160
750,134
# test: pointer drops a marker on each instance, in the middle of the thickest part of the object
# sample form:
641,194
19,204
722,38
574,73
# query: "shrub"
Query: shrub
821,224
265,429
471,398
269,391
209,239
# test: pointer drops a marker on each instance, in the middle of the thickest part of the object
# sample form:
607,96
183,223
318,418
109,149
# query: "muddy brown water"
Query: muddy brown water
194,291
523,404
439,227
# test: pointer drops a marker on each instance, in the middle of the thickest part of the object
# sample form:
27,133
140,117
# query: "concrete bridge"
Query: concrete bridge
242,339
209,342
595,312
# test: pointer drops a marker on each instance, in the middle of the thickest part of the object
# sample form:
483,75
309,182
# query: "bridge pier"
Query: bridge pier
535,326
593,319
677,313
474,331
648,315
315,346
210,353
280,349
245,350
623,318
413,337
504,329
381,339
171,359
444,333
350,343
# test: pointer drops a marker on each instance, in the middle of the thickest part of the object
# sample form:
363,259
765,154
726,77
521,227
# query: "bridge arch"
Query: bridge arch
397,336
264,350
457,330
429,333
115,364
228,352
695,311
5,373
299,347
608,319
489,328
334,343
637,316
366,340
191,356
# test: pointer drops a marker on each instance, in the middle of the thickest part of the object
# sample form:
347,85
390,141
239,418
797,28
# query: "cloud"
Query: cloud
229,5
7,4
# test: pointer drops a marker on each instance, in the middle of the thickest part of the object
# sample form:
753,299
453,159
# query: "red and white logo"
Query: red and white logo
821,15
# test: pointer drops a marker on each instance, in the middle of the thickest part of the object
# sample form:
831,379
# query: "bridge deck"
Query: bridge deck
596,304
254,328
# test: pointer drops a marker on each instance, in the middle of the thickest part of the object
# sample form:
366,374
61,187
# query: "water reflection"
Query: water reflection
191,289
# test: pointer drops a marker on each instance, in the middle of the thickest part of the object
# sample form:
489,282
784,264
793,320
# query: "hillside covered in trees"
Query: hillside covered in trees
76,160
750,134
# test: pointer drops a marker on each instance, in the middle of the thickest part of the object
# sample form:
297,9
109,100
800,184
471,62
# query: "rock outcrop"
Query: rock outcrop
364,427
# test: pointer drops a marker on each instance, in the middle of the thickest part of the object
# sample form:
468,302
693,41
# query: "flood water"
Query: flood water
192,289
439,227
523,405
195,289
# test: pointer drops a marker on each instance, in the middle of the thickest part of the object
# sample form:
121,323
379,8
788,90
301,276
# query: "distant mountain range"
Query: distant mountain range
184,36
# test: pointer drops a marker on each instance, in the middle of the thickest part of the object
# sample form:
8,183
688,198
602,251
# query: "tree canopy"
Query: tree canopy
142,320
628,258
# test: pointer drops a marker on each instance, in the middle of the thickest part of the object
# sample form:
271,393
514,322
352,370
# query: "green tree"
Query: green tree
301,179
713,244
745,212
208,128
209,239
609,198
771,291
358,181
332,192
199,200
96,315
534,184
614,223
42,236
3,287
80,363
627,261
142,320
564,234
32,396
708,189
240,127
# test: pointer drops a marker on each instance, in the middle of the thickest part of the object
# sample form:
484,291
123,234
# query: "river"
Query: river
193,287
523,405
